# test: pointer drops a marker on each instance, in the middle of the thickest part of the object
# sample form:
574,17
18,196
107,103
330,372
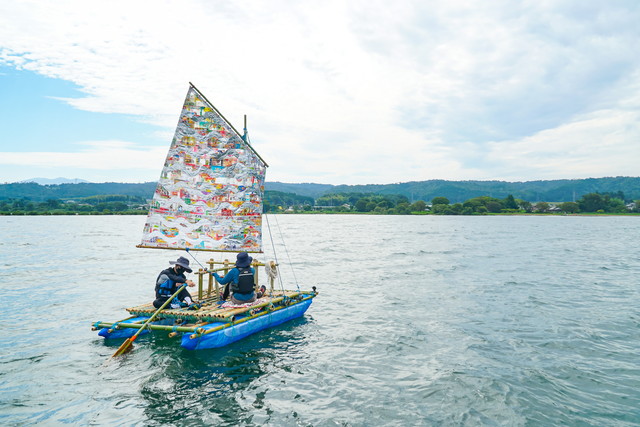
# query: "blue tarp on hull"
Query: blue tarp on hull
128,332
237,332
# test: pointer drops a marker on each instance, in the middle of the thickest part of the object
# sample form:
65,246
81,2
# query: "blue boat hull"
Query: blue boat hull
239,331
231,333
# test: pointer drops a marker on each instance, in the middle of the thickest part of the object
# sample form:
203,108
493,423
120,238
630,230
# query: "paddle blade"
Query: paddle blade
126,347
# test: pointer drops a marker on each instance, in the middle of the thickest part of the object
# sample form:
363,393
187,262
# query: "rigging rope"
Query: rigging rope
275,255
203,267
295,279
271,270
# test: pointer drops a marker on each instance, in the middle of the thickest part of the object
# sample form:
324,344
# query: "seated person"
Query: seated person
169,281
240,281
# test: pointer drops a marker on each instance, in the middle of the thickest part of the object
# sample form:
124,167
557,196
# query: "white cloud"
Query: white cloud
358,92
101,155
584,148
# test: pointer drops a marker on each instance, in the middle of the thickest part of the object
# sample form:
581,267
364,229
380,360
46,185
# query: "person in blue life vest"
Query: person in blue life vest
168,282
240,281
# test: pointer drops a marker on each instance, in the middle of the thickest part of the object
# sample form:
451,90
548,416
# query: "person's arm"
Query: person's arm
178,278
232,275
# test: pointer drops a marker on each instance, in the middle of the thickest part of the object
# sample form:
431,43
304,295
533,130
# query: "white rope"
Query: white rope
275,255
295,279
271,269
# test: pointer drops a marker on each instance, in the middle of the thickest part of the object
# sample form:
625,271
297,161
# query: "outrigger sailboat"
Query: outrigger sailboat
209,198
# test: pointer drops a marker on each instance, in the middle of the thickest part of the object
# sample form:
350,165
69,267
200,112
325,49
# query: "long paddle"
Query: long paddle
128,344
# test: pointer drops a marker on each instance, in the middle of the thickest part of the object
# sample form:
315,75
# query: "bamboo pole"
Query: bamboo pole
154,327
227,262
197,328
95,328
256,281
193,249
225,270
200,274
211,263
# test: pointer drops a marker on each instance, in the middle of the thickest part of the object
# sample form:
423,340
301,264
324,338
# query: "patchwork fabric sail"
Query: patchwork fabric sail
209,196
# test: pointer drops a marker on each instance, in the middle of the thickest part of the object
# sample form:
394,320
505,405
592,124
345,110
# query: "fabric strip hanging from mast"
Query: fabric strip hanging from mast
209,196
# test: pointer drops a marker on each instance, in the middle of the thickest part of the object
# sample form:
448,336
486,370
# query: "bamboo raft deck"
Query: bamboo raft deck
211,310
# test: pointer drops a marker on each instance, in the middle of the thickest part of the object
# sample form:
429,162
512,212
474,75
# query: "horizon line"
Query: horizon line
32,181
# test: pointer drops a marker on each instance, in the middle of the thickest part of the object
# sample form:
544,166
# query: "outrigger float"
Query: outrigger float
209,198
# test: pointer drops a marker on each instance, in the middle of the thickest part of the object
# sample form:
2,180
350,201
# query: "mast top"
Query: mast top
230,125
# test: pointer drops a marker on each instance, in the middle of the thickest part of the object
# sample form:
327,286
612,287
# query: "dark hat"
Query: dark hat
182,262
243,260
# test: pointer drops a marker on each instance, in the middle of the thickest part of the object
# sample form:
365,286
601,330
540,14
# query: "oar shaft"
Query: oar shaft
153,316
128,344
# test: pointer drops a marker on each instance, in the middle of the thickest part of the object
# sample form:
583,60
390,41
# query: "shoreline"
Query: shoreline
588,214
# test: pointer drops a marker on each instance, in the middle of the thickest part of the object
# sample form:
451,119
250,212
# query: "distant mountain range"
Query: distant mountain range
564,190
54,181
39,193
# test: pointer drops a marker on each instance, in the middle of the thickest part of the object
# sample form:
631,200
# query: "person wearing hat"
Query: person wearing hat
240,281
168,282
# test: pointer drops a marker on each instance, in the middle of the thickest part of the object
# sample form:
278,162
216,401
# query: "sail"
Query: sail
209,196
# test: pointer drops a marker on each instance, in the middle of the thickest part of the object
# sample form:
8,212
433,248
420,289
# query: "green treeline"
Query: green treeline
93,205
394,204
275,200
589,203
456,191
347,202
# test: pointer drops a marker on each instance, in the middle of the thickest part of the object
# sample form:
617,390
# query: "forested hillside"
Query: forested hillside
456,191
39,193
565,190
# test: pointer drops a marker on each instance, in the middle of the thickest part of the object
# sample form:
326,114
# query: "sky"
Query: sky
336,92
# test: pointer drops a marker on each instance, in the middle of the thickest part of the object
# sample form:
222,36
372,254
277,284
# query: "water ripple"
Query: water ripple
419,321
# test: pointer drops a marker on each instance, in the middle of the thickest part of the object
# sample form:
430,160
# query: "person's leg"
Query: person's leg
185,296
261,292
240,302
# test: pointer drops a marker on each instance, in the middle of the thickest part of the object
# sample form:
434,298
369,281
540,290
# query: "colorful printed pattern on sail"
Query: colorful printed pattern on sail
209,195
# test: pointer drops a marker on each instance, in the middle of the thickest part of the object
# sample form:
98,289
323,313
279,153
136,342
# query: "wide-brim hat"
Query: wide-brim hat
243,260
182,262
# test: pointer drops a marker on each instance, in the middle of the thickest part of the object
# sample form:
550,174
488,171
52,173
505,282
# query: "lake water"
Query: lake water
420,320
